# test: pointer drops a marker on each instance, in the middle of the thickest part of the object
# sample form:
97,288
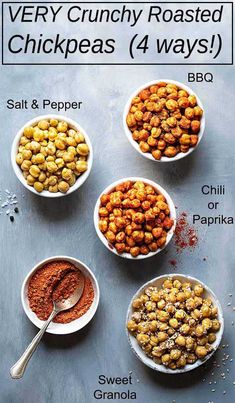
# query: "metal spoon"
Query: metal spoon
17,371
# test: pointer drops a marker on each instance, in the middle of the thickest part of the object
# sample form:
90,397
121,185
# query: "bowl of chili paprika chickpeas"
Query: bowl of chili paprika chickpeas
164,120
174,323
52,155
135,218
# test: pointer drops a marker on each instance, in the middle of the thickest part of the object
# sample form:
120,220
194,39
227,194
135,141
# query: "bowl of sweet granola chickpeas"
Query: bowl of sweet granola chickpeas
174,323
164,120
135,218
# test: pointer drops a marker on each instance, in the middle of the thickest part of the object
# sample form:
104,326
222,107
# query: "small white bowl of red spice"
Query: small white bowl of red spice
164,120
135,218
37,294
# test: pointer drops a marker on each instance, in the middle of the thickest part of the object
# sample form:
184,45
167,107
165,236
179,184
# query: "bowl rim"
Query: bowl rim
157,187
61,328
134,143
80,180
160,367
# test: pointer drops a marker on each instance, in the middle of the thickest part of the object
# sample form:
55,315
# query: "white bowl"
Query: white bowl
129,134
138,350
14,149
159,190
62,328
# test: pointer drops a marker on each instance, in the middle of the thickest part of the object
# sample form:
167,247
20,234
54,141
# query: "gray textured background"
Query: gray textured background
66,369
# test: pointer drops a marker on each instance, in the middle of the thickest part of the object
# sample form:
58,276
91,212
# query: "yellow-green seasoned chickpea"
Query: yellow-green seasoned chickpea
180,340
181,297
38,186
150,306
50,158
67,174
180,314
68,157
52,180
24,140
154,341
42,177
43,166
26,164
35,147
19,158
163,316
39,158
79,138
59,162
177,284
205,311
52,134
158,351
34,171
175,354
62,127
53,122
198,290
189,343
81,166
143,327
28,132
199,331
211,338
30,180
161,304
142,338
202,341
201,351
173,322
63,186
43,124
166,359
25,174
71,133
27,146
53,189
72,150
215,325
26,154
43,151
60,143
72,180
51,166
137,303
71,165
162,336
82,149
38,134
71,141
132,325
51,149
155,296
185,328
181,362
167,283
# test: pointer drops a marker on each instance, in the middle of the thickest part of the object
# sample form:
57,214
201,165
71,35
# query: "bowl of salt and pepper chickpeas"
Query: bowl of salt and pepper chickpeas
174,323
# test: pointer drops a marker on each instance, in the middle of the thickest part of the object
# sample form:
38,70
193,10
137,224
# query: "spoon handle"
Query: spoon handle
17,371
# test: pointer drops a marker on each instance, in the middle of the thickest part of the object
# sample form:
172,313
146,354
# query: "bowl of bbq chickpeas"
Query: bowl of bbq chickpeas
135,218
164,120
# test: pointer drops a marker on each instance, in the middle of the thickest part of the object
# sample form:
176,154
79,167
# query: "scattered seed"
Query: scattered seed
16,210
11,218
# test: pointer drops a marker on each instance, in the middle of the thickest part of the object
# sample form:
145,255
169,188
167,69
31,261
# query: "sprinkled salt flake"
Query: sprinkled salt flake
230,295
232,323
233,383
227,370
229,304
130,372
8,212
231,360
203,379
212,390
234,308
7,191
215,382
210,383
223,346
13,202
137,380
224,392
4,204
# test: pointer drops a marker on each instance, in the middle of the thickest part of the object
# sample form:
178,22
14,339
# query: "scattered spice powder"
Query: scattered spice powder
185,234
55,281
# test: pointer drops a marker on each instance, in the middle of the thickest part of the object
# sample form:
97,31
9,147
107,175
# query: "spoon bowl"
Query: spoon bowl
64,304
